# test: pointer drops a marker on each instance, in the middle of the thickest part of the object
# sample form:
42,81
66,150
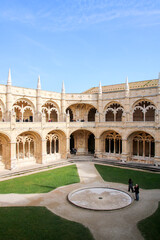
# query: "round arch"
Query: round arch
55,145
24,110
52,102
51,111
113,112
142,100
83,141
111,144
28,148
110,103
5,151
25,100
109,130
141,146
2,111
81,110
144,110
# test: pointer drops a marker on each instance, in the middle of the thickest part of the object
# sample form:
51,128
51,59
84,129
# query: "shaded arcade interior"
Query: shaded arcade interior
83,141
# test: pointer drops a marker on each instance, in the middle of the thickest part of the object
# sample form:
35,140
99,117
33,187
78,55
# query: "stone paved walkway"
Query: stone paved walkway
104,225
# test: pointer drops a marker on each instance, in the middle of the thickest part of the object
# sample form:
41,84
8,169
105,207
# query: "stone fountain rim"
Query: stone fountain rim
94,209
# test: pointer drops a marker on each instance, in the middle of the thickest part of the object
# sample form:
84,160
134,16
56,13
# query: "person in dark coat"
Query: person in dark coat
130,185
136,189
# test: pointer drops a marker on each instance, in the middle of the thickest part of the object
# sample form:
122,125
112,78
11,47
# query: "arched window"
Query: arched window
114,113
143,145
144,111
91,115
52,143
113,143
23,111
24,147
50,111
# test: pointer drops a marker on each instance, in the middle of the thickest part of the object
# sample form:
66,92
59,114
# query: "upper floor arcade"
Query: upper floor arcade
113,107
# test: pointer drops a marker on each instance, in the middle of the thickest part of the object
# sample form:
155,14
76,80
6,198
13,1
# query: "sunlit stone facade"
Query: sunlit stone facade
119,122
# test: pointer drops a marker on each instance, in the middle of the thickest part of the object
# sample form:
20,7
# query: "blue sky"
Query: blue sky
80,42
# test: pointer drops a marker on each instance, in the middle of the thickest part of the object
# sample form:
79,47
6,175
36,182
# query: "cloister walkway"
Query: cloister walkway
104,225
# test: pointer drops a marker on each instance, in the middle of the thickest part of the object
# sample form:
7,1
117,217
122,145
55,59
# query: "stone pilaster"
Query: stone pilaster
13,160
44,151
125,152
98,153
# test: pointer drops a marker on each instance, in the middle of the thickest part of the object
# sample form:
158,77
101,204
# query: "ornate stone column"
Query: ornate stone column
157,153
125,153
11,163
44,153
98,153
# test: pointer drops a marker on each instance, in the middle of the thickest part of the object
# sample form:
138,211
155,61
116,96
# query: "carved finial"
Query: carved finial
127,85
100,88
63,88
39,83
126,88
9,82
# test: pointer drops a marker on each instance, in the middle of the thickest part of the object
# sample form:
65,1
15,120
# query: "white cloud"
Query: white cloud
67,15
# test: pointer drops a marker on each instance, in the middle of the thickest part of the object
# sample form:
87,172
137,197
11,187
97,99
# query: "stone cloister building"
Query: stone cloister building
119,122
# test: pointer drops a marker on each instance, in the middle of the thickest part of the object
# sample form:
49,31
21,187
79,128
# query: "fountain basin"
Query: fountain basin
100,198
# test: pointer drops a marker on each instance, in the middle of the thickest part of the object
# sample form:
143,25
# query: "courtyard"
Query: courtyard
117,224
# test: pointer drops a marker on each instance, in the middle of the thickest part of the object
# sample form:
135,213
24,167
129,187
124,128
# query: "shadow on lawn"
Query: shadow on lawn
44,186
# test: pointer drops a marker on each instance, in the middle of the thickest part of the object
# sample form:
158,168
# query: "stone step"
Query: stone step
81,157
17,172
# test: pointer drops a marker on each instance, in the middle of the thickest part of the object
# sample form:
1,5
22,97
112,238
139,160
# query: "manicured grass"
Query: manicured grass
145,180
149,227
38,223
41,182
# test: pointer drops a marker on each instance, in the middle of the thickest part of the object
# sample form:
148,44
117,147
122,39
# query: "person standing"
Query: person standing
130,185
136,189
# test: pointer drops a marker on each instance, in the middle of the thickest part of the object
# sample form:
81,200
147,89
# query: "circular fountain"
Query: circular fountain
100,198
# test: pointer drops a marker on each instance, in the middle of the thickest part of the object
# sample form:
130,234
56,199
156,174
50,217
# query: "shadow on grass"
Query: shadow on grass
44,186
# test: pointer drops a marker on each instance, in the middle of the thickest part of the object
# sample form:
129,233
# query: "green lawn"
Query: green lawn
146,180
150,227
38,223
41,182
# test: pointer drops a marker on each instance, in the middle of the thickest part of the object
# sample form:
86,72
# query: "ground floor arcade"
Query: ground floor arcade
30,147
